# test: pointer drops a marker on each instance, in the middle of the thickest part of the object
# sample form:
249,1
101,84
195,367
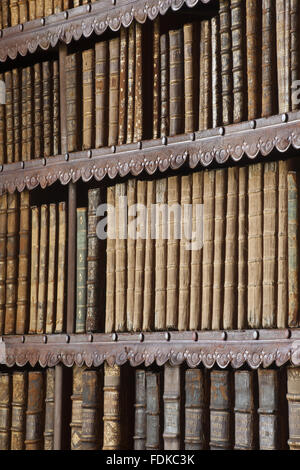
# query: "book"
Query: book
156,78
55,109
72,98
76,398
34,411
88,98
43,268
176,84
172,407
101,93
34,269
190,75
238,27
114,79
81,269
281,51
153,407
268,411
61,267
293,388
242,278
139,437
293,253
131,253
282,273
148,314
23,114
138,83
14,12
164,85
196,418
49,409
16,95
39,9
121,256
294,44
131,83
245,410
226,62
37,115
48,7
9,120
23,11
51,276
90,431
18,408
220,410
3,234
216,97
269,81
47,108
160,255
5,14
29,113
123,86
110,262
12,239
2,129
31,9
5,410
111,408
205,82
23,264
253,54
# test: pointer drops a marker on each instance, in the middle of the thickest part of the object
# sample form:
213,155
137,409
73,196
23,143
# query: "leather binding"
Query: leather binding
283,53
12,243
173,252
88,98
242,279
52,259
140,410
3,234
110,262
29,113
156,78
47,109
66,4
72,67
16,93
101,90
220,410
270,254
269,95
138,83
14,12
18,408
49,410
245,410
123,86
31,9
43,268
176,85
131,253
34,411
9,117
153,410
93,318
255,245
81,270
114,79
76,398
196,418
295,44
282,273
23,11
2,130
190,74
293,398
164,85
58,6
131,83
185,256
39,9
172,407
238,14
226,62
219,248
5,14
293,253
61,267
5,410
231,250
160,255
1,18
208,248
34,271
90,432
148,306
23,114
196,255
216,72
37,116
121,275
23,265
48,7
269,408
55,108
111,409
205,104
253,45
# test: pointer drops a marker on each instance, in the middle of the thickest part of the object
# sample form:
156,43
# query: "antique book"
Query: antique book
220,410
185,255
110,262
114,79
18,408
76,398
293,251
196,419
131,253
34,411
156,78
190,77
205,82
37,119
242,262
255,245
173,251
164,85
238,14
294,44
49,409
245,410
81,269
216,72
34,270
55,109
5,14
111,409
131,83
93,319
268,411
153,409
176,85
5,410
52,260
23,267
14,12
231,250
88,98
208,248
72,67
139,437
58,5
226,62
23,114
219,248
160,255
29,114
282,273
269,95
3,233
61,267
48,7
123,86
172,406
16,93
47,109
2,129
253,55
101,93
121,274
293,394
148,314
281,52
39,9
43,268
12,242
90,431
138,83
197,252
9,119
23,11
31,9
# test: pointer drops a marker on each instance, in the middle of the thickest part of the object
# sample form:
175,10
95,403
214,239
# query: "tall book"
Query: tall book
23,114
29,113
31,9
131,253
148,317
18,408
160,255
11,263
242,278
131,83
34,411
51,276
216,72
3,234
153,409
101,93
72,66
76,398
120,195
114,79
156,78
123,86
90,432
61,267
282,53
226,62
55,108
88,98
37,119
139,437
49,409
48,7
295,43
2,129
269,81
5,410
205,104
220,410
9,120
245,410
164,85
34,270
5,14
190,74
138,83
176,84
111,408
293,252
23,11
47,108
172,407
81,269
238,14
282,273
110,262
23,268
268,411
253,54
16,93
43,260
196,418
39,9
293,398
14,12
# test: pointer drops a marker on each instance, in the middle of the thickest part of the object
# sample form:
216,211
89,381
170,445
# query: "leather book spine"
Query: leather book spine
226,62
293,250
18,408
268,410
42,281
295,44
39,9
121,275
269,96
293,398
34,270
48,7
110,262
31,9
55,109
49,410
61,267
156,78
72,66
9,118
23,11
37,116
5,410
90,431
164,85
245,410
131,253
283,53
172,407
23,114
205,83
12,244
238,29
47,109
220,410
3,140
81,270
52,259
3,235
14,12
153,409
88,98
242,279
34,411
29,114
190,75
114,79
23,268
76,398
282,273
160,255
138,83
122,123
58,6
111,409
196,418
101,91
16,93
131,83
216,72
5,14
176,85
148,306
139,437
253,45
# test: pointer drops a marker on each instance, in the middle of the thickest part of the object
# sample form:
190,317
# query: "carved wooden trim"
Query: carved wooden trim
82,21
232,348
250,139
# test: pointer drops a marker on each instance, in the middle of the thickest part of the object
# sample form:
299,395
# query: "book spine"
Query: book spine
195,410
156,78
131,83
282,273
55,109
81,270
3,140
61,267
226,62
268,410
49,410
111,409
76,398
31,10
189,78
131,253
58,6
88,97
47,109
93,260
37,92
242,248
5,410
16,93
101,85
138,83
244,410
293,254
269,98
110,262
176,85
121,274
72,101
164,85
114,79
253,44
123,86
281,55
216,72
48,7
293,398
34,411
23,11
18,408
9,117
238,14
14,12
3,235
148,317
23,115
90,432
23,264
39,9
11,263
34,272
171,397
220,410
51,299
153,401
42,281
140,410
205,98
29,113
295,44
5,14
160,255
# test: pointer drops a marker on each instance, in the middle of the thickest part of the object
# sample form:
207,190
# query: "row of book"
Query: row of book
29,121
32,265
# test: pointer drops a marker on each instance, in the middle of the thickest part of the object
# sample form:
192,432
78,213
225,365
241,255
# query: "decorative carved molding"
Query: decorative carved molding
82,21
233,348
250,139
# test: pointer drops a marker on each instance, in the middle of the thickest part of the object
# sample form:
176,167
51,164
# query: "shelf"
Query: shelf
223,348
82,21
251,139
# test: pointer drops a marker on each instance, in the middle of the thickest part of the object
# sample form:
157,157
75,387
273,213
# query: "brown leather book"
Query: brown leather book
123,86
283,55
5,410
114,84
196,407
121,274
110,262
238,28
269,82
76,398
3,233
49,410
176,85
153,411
14,12
34,411
245,410
29,114
34,274
43,261
164,85
58,6
242,248
61,267
172,407
190,77
282,273
55,109
216,72
90,431
9,120
5,14
293,394
16,93
221,410
148,311
31,9
51,277
2,130
23,114
37,116
160,255
47,109
156,78
12,243
101,91
131,253
81,269
293,250
253,45
39,9
111,410
23,268
139,437
205,82
226,62
88,98
138,83
48,7
18,408
294,44
72,84
23,11
131,83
